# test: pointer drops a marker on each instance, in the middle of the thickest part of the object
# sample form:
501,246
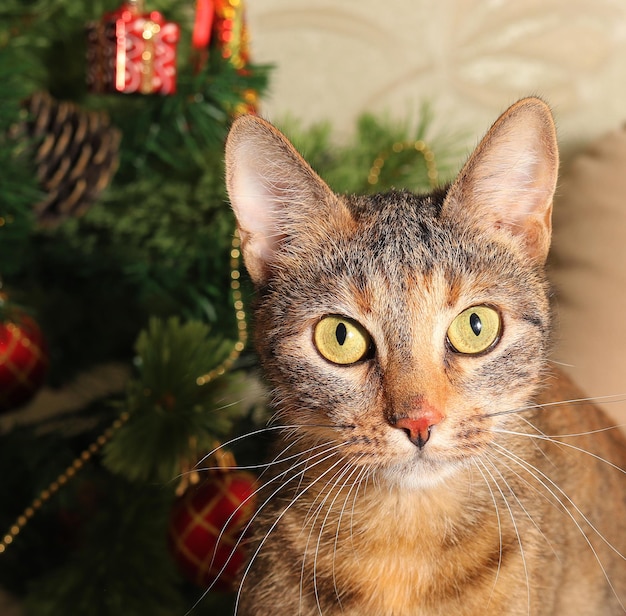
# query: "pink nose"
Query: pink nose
418,426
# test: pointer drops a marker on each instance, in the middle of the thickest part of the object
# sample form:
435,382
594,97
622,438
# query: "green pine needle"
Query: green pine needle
171,415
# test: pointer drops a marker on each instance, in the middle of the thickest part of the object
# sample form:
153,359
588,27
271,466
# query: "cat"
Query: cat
429,458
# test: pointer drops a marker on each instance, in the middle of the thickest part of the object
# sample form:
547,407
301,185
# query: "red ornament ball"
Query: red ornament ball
218,508
23,360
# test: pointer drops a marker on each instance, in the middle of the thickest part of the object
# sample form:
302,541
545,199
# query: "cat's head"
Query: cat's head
396,326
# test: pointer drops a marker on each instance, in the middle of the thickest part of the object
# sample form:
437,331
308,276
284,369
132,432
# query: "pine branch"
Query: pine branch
171,415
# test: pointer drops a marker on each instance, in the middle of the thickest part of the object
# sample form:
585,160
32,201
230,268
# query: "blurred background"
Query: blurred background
469,58
124,361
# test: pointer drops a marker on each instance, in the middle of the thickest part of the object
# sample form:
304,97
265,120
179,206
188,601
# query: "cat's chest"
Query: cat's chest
390,575
398,555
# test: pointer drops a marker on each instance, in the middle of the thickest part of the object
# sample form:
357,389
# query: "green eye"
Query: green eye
475,330
341,340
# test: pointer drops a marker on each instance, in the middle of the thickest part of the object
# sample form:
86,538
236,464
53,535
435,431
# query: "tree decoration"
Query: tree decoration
240,316
130,51
206,525
76,156
203,24
223,23
231,32
62,480
23,358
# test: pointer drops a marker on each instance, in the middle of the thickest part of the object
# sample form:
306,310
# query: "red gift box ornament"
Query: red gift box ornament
130,51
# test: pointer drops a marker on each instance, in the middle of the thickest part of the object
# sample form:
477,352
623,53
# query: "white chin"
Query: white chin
418,475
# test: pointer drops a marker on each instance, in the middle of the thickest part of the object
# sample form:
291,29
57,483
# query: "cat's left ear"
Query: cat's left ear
508,183
279,201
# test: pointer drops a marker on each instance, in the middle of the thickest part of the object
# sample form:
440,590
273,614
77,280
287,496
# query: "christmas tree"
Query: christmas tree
121,282
116,247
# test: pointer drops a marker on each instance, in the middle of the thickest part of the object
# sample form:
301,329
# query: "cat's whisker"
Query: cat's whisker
561,363
362,470
574,434
241,437
305,523
363,478
265,465
612,398
556,441
478,463
533,471
279,461
306,456
326,444
284,511
517,533
309,459
301,453
340,475
353,468
492,462
315,506
237,439
197,467
541,450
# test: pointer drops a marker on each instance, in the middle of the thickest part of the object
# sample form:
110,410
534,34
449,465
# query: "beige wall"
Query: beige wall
471,58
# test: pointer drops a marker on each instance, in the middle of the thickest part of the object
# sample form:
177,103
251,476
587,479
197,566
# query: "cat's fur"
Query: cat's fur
512,502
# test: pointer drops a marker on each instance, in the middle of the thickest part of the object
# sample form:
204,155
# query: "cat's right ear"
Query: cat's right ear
275,194
508,183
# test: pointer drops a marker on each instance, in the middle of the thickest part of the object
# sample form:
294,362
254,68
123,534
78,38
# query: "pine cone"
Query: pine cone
76,157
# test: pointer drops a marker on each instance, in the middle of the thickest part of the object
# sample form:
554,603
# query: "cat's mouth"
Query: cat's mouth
404,459
422,454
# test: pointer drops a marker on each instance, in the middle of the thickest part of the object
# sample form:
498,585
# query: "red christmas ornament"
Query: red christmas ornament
221,24
131,51
23,360
224,22
218,508
231,31
203,24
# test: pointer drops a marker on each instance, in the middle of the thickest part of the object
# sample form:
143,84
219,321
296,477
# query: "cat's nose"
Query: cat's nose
419,424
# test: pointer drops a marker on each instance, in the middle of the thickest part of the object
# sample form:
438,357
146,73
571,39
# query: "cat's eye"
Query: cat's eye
341,340
475,330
